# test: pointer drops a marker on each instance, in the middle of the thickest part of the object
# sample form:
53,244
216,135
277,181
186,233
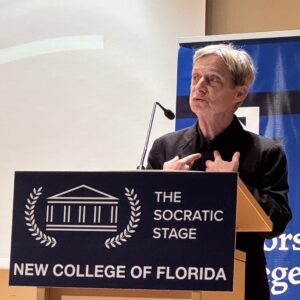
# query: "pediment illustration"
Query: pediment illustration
83,192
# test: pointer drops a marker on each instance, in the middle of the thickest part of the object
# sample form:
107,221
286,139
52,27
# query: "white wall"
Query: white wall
84,109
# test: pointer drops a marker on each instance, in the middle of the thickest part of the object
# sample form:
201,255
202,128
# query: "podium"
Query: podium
249,217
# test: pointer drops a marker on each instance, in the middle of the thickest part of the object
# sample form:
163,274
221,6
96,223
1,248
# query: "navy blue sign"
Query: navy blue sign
141,230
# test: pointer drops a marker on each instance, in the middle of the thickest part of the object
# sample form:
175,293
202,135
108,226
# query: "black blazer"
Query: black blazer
263,168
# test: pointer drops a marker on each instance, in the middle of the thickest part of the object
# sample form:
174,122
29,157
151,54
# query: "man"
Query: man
221,78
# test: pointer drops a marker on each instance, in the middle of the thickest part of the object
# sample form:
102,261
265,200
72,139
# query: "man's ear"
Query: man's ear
241,94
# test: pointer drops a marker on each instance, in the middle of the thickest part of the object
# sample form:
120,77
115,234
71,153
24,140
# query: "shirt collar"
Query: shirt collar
227,137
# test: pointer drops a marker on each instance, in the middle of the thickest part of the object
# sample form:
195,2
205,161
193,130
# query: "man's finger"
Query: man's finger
217,155
236,157
191,158
208,163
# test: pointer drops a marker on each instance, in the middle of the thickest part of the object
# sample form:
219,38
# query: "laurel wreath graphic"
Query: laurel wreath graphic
31,223
135,212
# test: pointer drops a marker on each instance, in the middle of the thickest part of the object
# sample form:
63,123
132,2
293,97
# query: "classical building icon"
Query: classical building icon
82,208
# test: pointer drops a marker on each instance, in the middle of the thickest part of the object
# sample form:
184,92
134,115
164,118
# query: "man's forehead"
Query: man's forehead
211,63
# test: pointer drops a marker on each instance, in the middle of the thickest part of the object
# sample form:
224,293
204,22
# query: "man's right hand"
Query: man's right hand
184,163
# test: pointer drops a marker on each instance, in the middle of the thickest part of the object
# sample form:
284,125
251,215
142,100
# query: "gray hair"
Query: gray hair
238,62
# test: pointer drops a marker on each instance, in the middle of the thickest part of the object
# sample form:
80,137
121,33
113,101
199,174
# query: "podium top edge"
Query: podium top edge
123,171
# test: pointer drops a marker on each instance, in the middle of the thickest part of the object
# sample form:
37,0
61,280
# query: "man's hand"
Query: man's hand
184,163
220,165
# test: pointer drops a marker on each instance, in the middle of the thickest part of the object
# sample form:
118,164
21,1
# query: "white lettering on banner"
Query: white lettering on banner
140,272
98,271
251,115
190,273
204,215
173,233
281,277
168,197
180,215
284,242
30,269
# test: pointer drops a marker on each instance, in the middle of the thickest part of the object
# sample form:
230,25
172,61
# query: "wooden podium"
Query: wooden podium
250,218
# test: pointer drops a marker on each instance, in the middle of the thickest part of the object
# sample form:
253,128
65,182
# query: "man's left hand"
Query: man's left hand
220,165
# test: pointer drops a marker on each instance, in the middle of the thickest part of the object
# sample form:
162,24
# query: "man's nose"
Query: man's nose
201,85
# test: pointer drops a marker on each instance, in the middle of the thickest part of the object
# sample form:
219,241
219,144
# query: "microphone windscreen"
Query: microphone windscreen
169,114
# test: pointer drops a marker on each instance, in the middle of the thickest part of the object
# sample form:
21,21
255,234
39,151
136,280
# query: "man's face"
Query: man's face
212,91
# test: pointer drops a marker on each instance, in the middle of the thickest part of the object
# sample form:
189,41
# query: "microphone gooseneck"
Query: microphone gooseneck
169,114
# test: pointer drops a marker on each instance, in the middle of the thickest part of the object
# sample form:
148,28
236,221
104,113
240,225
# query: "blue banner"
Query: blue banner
271,109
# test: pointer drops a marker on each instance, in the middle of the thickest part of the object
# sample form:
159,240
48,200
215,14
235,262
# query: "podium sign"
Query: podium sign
133,230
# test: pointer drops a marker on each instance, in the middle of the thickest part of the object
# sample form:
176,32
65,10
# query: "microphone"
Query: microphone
169,114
